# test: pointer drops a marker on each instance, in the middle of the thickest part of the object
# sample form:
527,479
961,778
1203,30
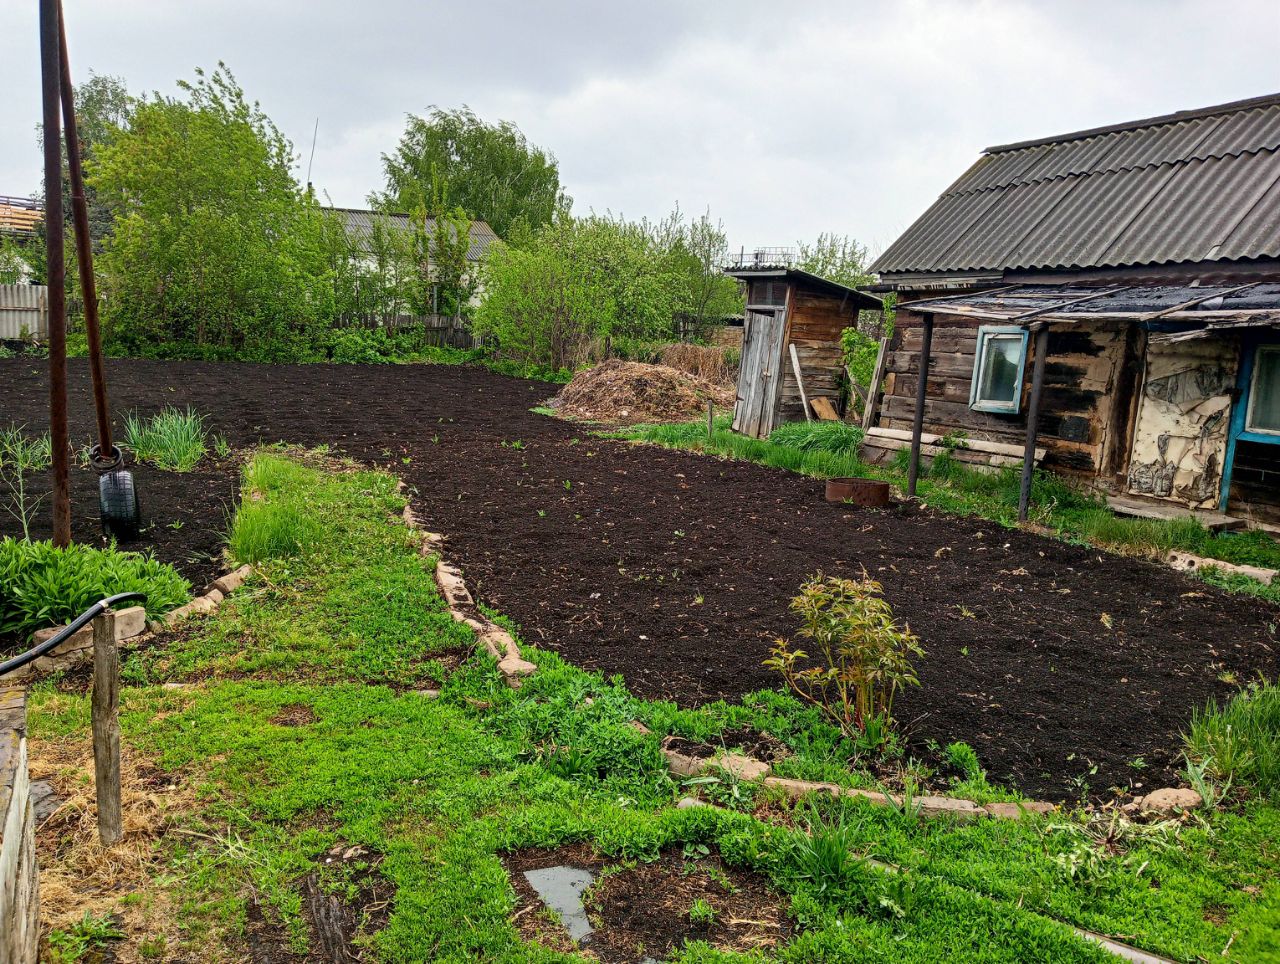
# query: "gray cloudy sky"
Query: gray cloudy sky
787,119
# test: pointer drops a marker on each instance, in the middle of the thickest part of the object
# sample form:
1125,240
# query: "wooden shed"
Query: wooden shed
793,321
1107,301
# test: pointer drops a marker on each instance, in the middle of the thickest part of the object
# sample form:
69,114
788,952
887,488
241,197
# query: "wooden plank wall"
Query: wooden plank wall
1077,404
814,327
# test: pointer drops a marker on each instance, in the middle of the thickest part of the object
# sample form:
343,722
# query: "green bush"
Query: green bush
861,657
41,585
1240,742
171,439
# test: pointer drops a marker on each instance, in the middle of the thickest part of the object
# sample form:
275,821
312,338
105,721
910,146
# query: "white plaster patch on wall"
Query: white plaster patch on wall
1181,435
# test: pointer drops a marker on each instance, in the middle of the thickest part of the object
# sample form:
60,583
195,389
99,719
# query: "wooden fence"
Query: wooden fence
24,312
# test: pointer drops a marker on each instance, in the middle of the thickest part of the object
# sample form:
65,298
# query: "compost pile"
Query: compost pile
623,392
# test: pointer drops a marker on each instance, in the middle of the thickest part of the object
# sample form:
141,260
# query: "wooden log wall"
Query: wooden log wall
1079,406
814,327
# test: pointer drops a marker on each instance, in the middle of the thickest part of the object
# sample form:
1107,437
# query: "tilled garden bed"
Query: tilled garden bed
1064,667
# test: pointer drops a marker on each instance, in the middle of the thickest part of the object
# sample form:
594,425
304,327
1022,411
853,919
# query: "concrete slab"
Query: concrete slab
561,890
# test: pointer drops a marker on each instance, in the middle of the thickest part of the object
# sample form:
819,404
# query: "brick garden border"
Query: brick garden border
462,605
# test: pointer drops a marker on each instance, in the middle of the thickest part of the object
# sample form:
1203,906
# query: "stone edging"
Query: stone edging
1189,562
131,624
751,770
462,606
218,590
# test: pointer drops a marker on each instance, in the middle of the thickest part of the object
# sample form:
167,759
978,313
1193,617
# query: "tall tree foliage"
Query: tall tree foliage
556,297
452,159
216,251
836,257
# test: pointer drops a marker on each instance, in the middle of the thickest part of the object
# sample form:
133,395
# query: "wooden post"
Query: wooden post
873,390
55,270
106,728
711,418
1033,421
795,367
917,427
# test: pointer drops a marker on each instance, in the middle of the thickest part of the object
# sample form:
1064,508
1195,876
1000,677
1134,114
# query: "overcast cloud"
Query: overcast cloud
786,119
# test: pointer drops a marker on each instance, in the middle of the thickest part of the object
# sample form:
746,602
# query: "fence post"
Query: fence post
106,728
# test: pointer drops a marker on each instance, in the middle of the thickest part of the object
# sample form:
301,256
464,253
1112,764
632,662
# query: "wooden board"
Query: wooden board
1213,521
823,408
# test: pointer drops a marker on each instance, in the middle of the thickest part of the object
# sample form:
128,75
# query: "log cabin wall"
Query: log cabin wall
1083,418
814,326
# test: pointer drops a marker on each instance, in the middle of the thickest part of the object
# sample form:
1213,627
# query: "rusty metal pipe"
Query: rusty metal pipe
84,249
57,271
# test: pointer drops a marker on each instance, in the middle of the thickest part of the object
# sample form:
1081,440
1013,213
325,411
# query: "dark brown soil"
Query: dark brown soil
675,570
641,910
334,924
761,746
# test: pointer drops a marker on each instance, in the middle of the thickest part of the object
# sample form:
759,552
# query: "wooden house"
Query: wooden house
793,324
1107,301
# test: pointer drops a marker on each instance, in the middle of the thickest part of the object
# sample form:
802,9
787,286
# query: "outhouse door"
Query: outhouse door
760,371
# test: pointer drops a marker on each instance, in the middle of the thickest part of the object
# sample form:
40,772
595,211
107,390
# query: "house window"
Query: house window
997,369
1264,392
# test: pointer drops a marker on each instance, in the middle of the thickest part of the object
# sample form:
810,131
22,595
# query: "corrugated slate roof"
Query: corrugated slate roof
1198,186
359,225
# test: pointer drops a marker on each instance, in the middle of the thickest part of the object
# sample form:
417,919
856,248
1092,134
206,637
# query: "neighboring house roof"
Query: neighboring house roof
359,225
1195,186
19,215
816,282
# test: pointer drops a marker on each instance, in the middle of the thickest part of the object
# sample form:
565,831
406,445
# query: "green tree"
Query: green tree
103,109
452,159
836,257
216,251
449,276
696,252
558,297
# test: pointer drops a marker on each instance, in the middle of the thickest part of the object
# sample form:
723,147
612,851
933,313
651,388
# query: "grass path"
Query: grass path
291,722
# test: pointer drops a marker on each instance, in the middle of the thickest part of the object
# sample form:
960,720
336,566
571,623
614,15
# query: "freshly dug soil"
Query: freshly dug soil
675,569
642,910
626,393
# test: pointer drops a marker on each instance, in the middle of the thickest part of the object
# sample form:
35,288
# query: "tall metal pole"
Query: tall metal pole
1033,421
917,427
57,271
84,249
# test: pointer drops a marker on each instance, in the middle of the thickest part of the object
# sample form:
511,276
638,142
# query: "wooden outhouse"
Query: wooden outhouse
793,323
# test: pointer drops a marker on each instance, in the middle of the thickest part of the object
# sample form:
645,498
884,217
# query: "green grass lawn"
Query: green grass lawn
299,726
830,449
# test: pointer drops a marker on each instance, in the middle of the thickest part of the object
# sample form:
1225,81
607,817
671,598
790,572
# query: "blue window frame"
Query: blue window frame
998,366
1253,416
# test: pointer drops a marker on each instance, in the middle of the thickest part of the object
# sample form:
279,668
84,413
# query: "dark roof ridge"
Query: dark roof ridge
1251,103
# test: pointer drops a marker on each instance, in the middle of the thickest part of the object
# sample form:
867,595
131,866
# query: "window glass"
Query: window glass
1264,395
1001,359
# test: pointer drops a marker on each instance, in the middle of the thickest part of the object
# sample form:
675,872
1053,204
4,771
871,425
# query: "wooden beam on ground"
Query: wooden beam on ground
873,390
1033,422
1141,509
917,427
795,367
106,728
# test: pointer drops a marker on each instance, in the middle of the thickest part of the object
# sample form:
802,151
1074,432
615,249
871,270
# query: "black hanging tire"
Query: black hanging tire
118,500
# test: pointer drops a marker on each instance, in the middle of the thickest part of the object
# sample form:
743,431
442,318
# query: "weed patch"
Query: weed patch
172,439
